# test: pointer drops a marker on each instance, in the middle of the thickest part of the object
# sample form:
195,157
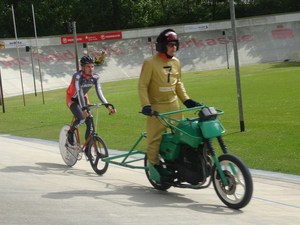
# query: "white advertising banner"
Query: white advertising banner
13,43
195,28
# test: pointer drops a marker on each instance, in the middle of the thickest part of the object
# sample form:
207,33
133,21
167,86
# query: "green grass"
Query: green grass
271,107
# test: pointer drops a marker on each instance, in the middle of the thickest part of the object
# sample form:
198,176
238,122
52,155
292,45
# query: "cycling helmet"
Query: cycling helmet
86,60
168,35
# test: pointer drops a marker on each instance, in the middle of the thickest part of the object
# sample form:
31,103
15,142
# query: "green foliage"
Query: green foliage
104,15
270,105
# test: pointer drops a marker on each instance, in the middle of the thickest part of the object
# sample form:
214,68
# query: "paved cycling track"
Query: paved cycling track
36,188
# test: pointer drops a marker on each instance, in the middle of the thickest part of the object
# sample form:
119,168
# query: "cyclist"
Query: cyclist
160,88
77,98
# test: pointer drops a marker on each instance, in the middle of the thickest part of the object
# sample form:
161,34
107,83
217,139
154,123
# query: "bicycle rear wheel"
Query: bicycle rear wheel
68,155
96,151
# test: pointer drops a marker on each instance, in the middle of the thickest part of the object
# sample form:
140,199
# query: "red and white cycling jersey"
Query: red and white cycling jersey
79,87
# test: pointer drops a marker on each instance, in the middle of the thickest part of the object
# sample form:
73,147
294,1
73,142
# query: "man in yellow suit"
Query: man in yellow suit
160,88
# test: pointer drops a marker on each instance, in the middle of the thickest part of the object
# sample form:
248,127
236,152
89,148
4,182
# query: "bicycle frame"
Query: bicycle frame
93,133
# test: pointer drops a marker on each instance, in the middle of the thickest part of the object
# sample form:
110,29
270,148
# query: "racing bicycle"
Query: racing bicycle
94,148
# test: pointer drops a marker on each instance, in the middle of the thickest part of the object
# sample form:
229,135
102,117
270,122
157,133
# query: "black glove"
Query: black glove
147,110
86,108
107,105
190,103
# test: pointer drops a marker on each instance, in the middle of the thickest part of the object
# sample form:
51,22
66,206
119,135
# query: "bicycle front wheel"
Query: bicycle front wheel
237,194
96,152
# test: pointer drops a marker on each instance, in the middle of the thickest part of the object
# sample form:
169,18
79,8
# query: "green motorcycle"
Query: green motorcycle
189,160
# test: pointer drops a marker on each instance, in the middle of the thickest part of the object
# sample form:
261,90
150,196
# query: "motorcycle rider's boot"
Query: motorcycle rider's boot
162,171
153,173
160,174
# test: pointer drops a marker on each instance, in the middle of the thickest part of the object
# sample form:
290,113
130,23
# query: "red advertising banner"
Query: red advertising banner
282,33
91,38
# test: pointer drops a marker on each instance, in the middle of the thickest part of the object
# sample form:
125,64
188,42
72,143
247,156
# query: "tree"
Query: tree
104,15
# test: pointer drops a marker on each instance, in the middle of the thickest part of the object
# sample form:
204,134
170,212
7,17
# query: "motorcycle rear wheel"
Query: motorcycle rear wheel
237,194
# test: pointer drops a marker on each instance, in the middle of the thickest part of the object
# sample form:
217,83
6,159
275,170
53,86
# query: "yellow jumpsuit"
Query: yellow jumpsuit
160,86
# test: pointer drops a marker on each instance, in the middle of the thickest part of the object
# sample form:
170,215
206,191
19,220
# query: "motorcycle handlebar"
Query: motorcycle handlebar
156,113
220,112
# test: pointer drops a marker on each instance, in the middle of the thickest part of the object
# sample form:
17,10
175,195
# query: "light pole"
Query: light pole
226,48
38,54
29,49
237,67
70,27
75,44
18,52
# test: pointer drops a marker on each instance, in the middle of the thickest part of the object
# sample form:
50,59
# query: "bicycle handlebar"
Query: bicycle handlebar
97,105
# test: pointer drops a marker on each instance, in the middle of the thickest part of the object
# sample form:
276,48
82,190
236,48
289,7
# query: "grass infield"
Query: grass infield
271,108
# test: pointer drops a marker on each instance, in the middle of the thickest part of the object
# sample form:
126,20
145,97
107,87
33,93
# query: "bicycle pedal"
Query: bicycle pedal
79,156
88,157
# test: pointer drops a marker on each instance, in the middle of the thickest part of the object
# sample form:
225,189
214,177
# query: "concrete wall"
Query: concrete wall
202,47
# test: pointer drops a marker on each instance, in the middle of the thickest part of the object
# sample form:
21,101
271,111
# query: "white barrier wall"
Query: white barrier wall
202,47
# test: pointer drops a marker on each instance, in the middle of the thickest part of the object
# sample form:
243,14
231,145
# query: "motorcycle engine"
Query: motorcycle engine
193,166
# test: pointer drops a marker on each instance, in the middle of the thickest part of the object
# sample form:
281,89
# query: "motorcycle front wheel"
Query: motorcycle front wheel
238,192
